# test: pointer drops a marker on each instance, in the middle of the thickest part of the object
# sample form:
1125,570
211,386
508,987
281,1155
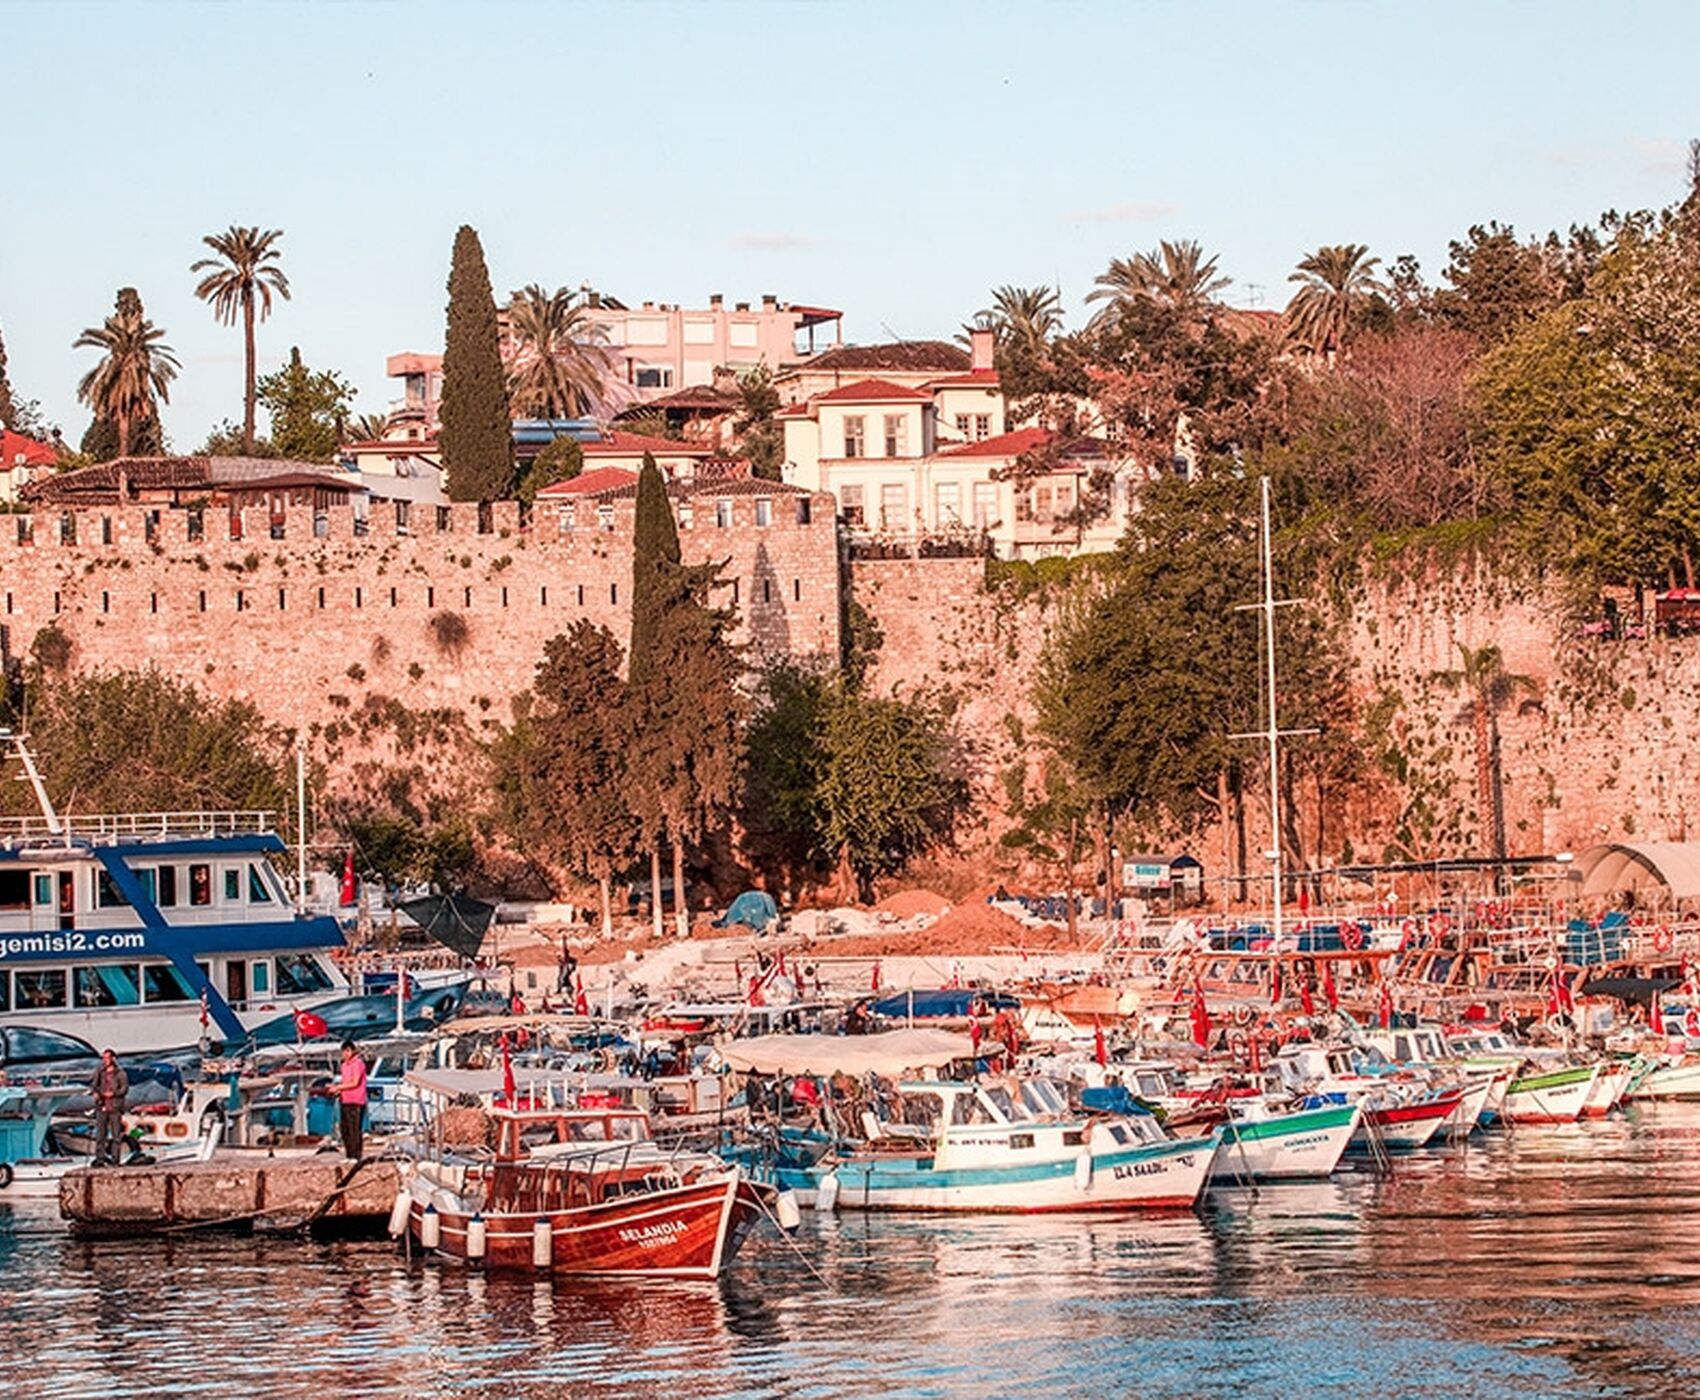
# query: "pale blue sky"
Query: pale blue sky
894,160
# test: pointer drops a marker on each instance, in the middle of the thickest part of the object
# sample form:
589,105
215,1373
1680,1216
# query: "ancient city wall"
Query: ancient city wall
307,618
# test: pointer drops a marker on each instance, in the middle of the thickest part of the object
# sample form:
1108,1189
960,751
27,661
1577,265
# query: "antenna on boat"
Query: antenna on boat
301,825
33,774
1272,733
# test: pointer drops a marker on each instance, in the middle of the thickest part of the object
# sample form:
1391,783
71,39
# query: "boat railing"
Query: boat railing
112,826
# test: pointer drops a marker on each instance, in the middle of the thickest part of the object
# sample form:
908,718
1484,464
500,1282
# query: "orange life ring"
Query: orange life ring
1663,939
177,1128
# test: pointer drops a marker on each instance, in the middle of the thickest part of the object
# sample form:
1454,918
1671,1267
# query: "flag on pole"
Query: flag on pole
875,980
1100,1052
581,1003
206,1011
1385,1009
309,1025
345,896
1329,990
1306,1000
1200,1017
1655,1017
509,1088
1275,985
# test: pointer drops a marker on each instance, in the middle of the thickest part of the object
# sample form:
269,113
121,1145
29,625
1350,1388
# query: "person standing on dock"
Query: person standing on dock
111,1087
351,1091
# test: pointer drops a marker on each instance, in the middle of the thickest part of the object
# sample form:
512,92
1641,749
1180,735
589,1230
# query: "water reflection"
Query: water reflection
1549,1261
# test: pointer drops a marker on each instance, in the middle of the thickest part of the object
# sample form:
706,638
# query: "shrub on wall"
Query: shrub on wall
449,632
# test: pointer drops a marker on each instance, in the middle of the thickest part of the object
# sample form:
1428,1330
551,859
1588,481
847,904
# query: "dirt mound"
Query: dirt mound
968,928
907,904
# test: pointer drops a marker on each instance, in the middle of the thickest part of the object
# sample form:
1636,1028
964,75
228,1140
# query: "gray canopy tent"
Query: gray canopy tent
1657,872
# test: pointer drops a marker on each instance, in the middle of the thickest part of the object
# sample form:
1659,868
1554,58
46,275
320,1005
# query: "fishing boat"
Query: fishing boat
582,1192
1262,1142
1673,1080
1550,1096
152,931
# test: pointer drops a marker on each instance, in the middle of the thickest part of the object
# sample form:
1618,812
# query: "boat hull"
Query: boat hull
1550,1098
1300,1146
1405,1127
1669,1082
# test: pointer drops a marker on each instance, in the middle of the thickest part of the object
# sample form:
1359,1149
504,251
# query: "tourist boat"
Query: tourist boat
1550,1096
153,931
1677,1080
1610,1087
582,1192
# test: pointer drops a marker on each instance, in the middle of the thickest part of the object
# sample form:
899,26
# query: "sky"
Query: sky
896,161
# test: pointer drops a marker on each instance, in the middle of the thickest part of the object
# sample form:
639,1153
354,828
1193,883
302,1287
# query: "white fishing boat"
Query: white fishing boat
1550,1096
1679,1079
1263,1142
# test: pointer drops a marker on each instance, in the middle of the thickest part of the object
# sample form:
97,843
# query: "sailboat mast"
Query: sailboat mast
1272,734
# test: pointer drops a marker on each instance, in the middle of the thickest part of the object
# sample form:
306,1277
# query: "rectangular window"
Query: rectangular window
145,877
232,885
257,891
107,986
653,377
105,601
44,890
686,515
203,601
897,435
949,503
403,516
850,500
796,590
321,597
853,436
581,595
5,989
299,974
723,514
200,884
985,504
605,517
699,332
742,335
241,602
163,982
107,895
282,601
430,597
1024,505
614,594
392,597
803,510
764,513
894,506
14,889
962,424
260,976
38,991
542,595
167,897
466,598
767,590
982,426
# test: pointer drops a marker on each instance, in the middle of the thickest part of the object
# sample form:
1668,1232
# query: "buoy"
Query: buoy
476,1237
826,1194
789,1213
542,1243
430,1228
399,1213
1083,1171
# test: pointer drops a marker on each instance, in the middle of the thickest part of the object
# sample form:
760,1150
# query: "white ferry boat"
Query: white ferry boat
152,931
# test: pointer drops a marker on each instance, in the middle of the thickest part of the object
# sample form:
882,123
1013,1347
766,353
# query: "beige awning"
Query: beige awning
1667,869
888,1053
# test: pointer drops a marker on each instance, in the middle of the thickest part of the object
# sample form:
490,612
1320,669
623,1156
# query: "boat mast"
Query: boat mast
301,827
1273,733
33,774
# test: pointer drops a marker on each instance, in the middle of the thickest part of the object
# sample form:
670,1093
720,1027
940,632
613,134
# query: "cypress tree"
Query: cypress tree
655,568
7,409
477,436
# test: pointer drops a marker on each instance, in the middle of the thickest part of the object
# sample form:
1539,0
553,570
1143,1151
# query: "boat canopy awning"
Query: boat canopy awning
1670,868
480,1083
888,1052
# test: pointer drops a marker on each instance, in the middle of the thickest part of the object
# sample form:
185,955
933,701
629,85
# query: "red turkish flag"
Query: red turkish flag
509,1088
346,895
1200,1017
1099,1051
309,1025
1386,1007
1306,1000
581,1003
1329,990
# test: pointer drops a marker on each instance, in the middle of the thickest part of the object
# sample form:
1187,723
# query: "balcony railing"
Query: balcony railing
137,825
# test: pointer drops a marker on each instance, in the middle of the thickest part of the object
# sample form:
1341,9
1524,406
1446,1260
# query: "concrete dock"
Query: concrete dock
238,1190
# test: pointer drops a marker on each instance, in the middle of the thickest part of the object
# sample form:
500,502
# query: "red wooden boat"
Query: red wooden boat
578,1192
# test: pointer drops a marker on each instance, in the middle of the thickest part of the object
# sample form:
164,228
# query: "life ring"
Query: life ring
1353,938
1663,939
1691,1022
176,1128
1244,1015
1440,925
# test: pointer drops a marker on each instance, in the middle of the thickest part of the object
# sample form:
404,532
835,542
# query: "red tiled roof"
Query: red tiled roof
795,410
872,391
590,482
17,450
1021,440
909,356
622,444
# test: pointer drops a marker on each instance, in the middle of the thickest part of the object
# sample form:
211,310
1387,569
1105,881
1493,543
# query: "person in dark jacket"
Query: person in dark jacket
110,1087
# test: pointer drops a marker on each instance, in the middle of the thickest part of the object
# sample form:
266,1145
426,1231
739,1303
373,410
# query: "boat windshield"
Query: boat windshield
1042,1098
999,1098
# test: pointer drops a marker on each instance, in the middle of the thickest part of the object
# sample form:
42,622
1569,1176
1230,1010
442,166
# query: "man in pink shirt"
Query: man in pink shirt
351,1090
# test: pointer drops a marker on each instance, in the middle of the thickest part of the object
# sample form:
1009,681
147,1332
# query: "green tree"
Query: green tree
760,438
1497,284
1337,289
557,366
684,711
8,410
368,427
781,811
561,460
1491,689
182,751
1024,318
133,377
1174,275
308,410
561,770
476,440
225,440
239,280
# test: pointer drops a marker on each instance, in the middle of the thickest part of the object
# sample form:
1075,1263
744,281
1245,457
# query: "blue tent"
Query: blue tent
753,909
943,1003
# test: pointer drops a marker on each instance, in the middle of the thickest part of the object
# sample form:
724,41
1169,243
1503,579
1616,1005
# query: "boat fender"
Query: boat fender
430,1228
6,1175
399,1213
787,1211
542,1243
826,1194
445,1004
1663,939
1083,1171
477,1237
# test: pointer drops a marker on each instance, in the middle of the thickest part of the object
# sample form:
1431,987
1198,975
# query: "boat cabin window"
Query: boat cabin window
38,991
300,974
166,894
14,889
200,884
257,891
44,889
1042,1097
924,1110
107,895
260,976
163,982
232,885
27,1043
1402,1049
107,986
1118,1133
1001,1101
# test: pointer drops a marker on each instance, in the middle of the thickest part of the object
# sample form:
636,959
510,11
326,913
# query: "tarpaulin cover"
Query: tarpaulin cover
753,909
454,920
942,1004
888,1052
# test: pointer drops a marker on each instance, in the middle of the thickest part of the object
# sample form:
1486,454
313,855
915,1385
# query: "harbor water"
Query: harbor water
1549,1261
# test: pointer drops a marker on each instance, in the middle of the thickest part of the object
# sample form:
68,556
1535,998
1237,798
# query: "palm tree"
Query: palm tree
1337,282
134,369
556,363
240,279
1175,275
367,427
1028,316
1491,689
